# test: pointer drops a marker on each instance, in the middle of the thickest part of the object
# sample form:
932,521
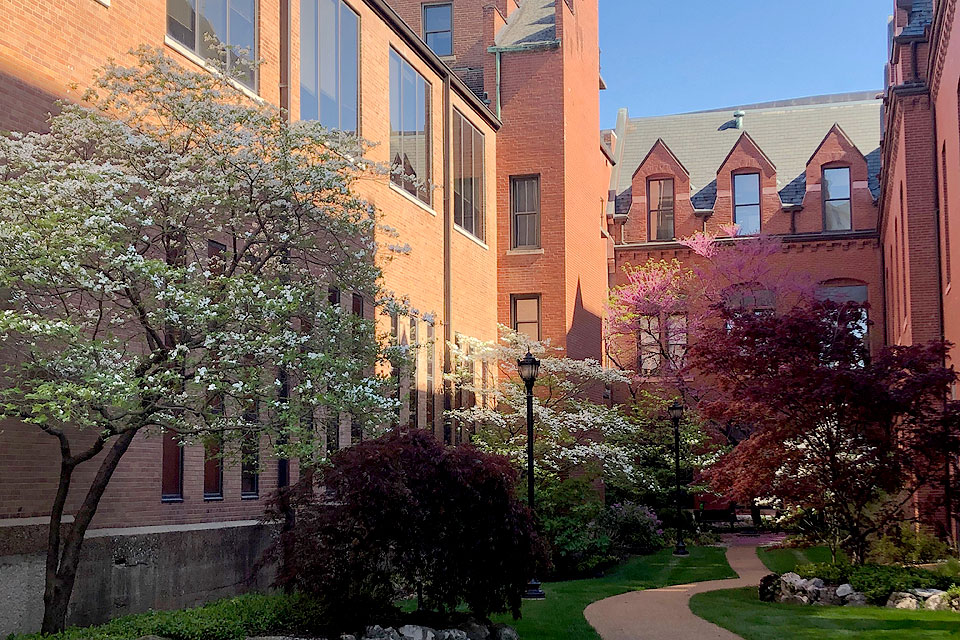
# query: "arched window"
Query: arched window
848,290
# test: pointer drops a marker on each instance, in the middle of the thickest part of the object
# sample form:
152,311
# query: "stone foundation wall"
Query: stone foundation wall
132,570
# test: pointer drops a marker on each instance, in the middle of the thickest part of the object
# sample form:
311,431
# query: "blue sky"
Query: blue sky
672,56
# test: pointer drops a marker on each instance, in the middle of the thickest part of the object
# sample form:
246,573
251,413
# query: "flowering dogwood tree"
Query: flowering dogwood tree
574,432
166,251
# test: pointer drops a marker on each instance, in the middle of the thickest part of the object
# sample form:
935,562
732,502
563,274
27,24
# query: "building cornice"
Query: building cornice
940,42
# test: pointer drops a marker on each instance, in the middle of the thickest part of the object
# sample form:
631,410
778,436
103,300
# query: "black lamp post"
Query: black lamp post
676,413
529,367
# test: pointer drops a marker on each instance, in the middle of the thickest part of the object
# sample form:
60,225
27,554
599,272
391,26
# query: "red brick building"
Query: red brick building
354,65
537,64
803,170
493,105
920,181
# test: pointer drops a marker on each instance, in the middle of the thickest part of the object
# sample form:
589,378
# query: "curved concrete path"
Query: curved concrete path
664,614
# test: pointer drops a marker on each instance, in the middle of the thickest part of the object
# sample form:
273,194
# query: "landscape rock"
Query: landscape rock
348,636
923,594
855,599
769,588
475,631
844,590
503,632
901,600
794,598
376,632
825,595
413,632
937,602
451,634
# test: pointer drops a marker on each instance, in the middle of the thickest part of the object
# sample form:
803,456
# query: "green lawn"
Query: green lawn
784,560
740,611
560,616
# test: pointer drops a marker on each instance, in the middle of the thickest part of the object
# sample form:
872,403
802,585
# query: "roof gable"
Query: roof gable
745,141
660,148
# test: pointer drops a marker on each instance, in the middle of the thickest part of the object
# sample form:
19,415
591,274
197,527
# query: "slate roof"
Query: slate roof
534,21
788,132
921,16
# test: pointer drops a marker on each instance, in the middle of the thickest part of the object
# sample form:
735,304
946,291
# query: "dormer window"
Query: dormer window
746,202
438,28
660,202
836,199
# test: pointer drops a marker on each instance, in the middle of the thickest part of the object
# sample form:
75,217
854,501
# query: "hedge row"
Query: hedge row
229,619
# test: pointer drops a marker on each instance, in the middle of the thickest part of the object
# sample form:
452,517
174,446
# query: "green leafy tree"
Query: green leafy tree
166,251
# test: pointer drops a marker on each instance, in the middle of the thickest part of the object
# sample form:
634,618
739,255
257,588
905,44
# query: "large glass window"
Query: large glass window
836,199
660,204
468,177
409,128
438,28
746,199
525,212
526,315
329,63
204,25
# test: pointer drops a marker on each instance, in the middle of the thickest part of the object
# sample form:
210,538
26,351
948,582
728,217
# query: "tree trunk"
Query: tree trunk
62,563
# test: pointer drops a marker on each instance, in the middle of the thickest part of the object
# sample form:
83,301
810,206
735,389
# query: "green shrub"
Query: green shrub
909,545
633,528
953,593
230,619
570,512
876,581
827,571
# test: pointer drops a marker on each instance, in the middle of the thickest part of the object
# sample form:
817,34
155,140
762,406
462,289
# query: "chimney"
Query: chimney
738,118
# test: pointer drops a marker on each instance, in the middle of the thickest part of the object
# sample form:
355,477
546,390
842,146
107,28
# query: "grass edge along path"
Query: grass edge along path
784,560
560,616
740,611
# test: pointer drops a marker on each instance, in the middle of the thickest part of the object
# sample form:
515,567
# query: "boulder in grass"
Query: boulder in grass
902,600
844,590
413,632
855,599
794,598
825,596
503,632
475,631
451,634
923,594
937,602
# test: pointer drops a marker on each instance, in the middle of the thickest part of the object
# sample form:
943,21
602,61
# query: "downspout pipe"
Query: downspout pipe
448,333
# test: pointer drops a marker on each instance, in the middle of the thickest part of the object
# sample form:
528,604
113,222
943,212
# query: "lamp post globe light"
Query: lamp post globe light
676,413
528,368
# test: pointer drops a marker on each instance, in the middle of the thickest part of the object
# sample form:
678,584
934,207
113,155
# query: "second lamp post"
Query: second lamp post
676,413
529,367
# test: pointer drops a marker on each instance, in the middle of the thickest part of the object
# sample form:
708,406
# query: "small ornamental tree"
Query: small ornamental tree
572,431
404,515
166,251
666,305
851,435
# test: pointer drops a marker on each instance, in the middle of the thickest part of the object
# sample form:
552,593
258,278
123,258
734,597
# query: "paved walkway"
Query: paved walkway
664,614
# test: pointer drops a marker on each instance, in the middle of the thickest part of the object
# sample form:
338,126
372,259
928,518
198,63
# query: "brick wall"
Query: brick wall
39,59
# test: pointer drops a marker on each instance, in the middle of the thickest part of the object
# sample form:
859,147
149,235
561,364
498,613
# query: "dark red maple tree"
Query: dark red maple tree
834,428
